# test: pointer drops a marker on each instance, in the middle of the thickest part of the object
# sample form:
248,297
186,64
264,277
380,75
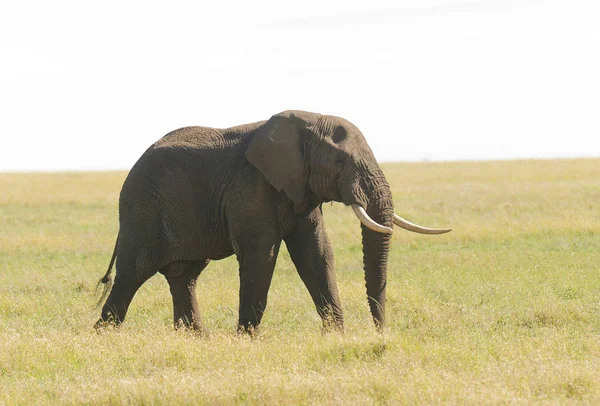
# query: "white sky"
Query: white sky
91,85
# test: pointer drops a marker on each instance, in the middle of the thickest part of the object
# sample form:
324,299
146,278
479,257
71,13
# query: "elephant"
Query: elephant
200,194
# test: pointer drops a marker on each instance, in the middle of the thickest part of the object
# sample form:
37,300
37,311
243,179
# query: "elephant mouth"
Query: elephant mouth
371,224
368,221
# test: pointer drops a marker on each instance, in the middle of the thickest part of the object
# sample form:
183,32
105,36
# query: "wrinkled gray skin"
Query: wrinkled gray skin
201,193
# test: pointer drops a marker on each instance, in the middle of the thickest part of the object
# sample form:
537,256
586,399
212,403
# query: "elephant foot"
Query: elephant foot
248,329
332,326
102,325
333,321
195,328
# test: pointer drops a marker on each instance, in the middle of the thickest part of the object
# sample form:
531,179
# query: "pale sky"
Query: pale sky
91,85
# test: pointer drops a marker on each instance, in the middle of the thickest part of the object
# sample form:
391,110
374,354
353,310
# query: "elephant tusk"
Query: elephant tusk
369,222
407,225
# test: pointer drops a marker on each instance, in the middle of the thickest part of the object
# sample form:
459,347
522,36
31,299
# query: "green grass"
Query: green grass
505,309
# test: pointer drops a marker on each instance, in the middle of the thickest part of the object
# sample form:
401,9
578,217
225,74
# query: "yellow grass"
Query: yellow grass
503,309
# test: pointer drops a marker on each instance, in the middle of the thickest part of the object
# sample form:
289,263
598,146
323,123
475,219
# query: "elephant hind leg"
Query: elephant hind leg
117,303
257,263
128,280
182,277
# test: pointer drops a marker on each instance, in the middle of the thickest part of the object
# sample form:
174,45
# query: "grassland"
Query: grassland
505,309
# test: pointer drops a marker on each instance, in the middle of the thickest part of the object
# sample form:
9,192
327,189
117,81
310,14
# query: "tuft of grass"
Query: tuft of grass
503,309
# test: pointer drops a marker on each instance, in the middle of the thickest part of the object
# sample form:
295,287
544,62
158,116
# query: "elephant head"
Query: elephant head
320,158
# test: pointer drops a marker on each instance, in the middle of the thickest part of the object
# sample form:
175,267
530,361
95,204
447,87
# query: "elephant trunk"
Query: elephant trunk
380,208
372,192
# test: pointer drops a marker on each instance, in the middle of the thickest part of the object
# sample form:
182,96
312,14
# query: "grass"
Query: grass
505,309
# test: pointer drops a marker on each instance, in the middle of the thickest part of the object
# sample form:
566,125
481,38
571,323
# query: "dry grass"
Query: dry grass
504,309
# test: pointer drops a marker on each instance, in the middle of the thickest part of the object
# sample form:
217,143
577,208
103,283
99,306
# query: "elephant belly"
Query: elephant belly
193,237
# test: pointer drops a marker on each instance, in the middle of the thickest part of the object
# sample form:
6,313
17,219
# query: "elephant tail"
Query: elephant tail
107,280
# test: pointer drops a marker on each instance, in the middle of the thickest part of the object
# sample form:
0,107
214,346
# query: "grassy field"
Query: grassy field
505,309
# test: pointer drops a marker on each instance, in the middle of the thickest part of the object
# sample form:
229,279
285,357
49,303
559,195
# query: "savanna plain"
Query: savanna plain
505,309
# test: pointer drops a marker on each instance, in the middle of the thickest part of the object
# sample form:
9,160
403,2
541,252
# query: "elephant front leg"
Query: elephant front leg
312,254
257,263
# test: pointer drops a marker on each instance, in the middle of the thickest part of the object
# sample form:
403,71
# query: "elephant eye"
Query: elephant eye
339,164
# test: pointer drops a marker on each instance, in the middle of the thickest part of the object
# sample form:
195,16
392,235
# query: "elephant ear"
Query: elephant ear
277,151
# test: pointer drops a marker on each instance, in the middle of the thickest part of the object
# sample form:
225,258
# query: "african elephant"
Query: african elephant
202,193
